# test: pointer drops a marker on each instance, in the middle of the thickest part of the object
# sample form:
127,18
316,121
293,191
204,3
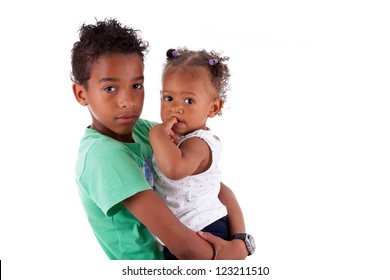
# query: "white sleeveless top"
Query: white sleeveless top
194,199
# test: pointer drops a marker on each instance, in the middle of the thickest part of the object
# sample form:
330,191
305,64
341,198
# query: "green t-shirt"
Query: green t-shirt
108,172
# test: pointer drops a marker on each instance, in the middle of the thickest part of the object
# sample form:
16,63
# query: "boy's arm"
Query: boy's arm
184,243
236,225
177,163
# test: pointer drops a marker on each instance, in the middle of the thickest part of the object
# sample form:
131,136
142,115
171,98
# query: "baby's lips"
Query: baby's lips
173,119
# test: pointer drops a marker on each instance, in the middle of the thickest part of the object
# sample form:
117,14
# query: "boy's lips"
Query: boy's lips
127,118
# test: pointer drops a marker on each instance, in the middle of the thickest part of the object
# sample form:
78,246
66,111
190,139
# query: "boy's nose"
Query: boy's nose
125,101
125,104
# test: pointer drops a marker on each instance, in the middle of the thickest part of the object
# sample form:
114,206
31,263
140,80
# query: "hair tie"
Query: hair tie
175,53
213,61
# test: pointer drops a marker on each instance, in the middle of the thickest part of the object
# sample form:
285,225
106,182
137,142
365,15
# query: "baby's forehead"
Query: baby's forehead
195,72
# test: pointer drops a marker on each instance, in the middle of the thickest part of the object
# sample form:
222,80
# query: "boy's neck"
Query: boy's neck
128,138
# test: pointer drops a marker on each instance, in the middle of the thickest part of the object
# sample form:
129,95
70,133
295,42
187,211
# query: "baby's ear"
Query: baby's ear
215,107
80,94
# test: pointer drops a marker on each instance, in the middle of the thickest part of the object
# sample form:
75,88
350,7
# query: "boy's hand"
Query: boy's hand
225,250
168,124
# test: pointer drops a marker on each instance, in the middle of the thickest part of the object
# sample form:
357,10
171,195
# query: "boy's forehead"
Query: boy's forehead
119,58
118,65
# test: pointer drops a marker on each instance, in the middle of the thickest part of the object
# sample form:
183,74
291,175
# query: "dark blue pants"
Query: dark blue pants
218,228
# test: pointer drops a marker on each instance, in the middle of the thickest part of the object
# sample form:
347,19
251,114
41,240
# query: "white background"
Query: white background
305,130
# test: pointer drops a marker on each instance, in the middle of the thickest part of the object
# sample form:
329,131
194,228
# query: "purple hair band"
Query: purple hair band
213,61
175,53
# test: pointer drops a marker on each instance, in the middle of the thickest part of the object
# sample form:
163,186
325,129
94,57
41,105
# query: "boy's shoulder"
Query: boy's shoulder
93,140
91,136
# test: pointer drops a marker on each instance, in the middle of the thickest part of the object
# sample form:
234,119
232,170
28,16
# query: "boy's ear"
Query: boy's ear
215,107
80,94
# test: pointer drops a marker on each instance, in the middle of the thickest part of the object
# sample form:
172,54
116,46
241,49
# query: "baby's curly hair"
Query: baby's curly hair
104,38
213,61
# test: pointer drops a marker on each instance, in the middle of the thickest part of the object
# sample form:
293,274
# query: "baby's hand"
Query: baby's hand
168,124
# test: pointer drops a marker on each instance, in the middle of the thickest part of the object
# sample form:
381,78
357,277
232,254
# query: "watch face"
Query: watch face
250,244
249,241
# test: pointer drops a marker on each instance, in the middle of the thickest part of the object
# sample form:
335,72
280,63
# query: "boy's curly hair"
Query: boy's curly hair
103,38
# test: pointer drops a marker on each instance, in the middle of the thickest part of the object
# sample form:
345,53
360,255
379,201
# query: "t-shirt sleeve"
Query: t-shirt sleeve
111,174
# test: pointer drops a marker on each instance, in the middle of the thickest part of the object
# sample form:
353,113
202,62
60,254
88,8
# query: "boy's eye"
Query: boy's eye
110,89
189,101
167,98
138,86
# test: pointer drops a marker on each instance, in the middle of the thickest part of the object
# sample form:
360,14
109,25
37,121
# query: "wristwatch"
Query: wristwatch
249,241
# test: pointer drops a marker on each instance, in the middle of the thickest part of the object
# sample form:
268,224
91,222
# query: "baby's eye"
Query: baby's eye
189,101
168,98
110,89
138,86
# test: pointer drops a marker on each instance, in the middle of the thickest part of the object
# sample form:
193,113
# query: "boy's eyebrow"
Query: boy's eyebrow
102,80
110,79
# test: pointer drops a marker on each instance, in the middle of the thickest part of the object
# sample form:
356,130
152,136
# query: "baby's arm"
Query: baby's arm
192,157
236,218
236,225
